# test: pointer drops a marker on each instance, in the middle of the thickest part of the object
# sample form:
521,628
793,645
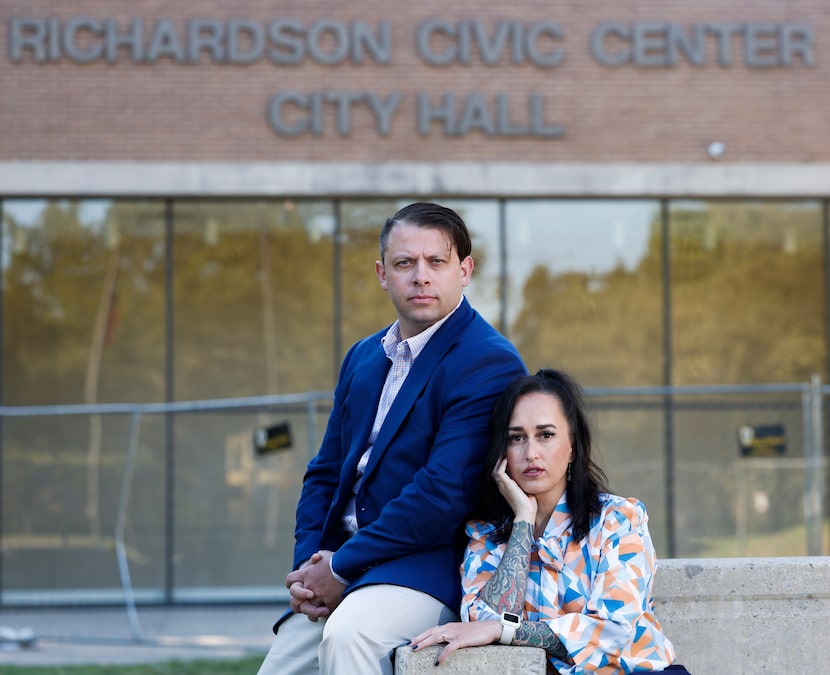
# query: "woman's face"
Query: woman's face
539,446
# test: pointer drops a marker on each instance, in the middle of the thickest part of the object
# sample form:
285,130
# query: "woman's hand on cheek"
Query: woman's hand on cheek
457,636
522,504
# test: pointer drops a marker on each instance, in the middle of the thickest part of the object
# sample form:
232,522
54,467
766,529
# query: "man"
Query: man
377,547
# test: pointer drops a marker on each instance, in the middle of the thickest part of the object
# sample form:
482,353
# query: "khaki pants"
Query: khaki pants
359,637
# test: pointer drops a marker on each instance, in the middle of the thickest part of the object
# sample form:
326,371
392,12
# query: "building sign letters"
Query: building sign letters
437,43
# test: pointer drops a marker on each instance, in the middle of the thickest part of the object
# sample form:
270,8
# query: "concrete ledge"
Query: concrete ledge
746,615
726,616
501,659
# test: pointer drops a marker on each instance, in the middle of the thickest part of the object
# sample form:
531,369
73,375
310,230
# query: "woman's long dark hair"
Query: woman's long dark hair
587,480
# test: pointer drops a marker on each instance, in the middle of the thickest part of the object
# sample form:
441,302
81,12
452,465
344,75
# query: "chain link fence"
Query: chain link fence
174,502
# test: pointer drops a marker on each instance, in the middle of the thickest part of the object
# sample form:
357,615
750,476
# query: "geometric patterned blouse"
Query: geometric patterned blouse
595,594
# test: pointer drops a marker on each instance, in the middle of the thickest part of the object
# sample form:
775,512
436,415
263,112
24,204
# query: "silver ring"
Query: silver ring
443,638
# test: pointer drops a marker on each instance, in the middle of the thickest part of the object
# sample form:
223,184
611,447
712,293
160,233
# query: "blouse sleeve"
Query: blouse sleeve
623,562
481,559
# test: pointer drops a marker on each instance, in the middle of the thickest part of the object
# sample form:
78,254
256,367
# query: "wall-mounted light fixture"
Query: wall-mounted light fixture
716,149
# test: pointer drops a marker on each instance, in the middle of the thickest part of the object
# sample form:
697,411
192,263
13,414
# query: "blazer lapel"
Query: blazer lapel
365,391
418,378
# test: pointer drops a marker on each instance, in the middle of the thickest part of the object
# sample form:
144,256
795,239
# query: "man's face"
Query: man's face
423,276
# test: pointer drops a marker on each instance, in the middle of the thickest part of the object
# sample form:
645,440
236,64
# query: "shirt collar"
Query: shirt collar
417,342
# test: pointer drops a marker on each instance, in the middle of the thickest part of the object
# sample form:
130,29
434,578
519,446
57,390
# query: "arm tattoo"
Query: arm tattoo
539,634
505,591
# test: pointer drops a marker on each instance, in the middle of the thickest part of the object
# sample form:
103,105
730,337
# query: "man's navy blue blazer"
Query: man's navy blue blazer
425,468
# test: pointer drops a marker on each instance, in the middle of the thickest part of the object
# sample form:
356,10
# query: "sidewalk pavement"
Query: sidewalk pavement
99,636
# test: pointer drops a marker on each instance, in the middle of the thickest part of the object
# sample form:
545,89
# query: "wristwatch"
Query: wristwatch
509,625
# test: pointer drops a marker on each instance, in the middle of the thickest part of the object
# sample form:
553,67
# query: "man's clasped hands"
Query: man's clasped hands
314,590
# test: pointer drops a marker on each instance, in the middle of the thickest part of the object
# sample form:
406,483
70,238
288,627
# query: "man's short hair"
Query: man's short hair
427,214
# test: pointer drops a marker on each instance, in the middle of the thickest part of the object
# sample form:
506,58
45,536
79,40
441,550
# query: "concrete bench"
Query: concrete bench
726,616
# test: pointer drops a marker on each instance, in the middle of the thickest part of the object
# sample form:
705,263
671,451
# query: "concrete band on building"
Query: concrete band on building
392,179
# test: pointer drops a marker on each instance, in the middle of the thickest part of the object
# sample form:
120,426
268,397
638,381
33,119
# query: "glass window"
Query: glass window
747,307
254,308
83,300
269,294
628,440
365,307
234,509
727,504
253,298
585,290
484,291
747,288
83,322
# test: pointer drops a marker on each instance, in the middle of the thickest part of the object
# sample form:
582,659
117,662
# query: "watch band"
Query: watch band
507,633
509,625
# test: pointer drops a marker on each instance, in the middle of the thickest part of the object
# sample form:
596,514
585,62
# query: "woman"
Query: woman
557,562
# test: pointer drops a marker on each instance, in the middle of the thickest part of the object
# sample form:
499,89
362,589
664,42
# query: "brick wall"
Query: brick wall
166,110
